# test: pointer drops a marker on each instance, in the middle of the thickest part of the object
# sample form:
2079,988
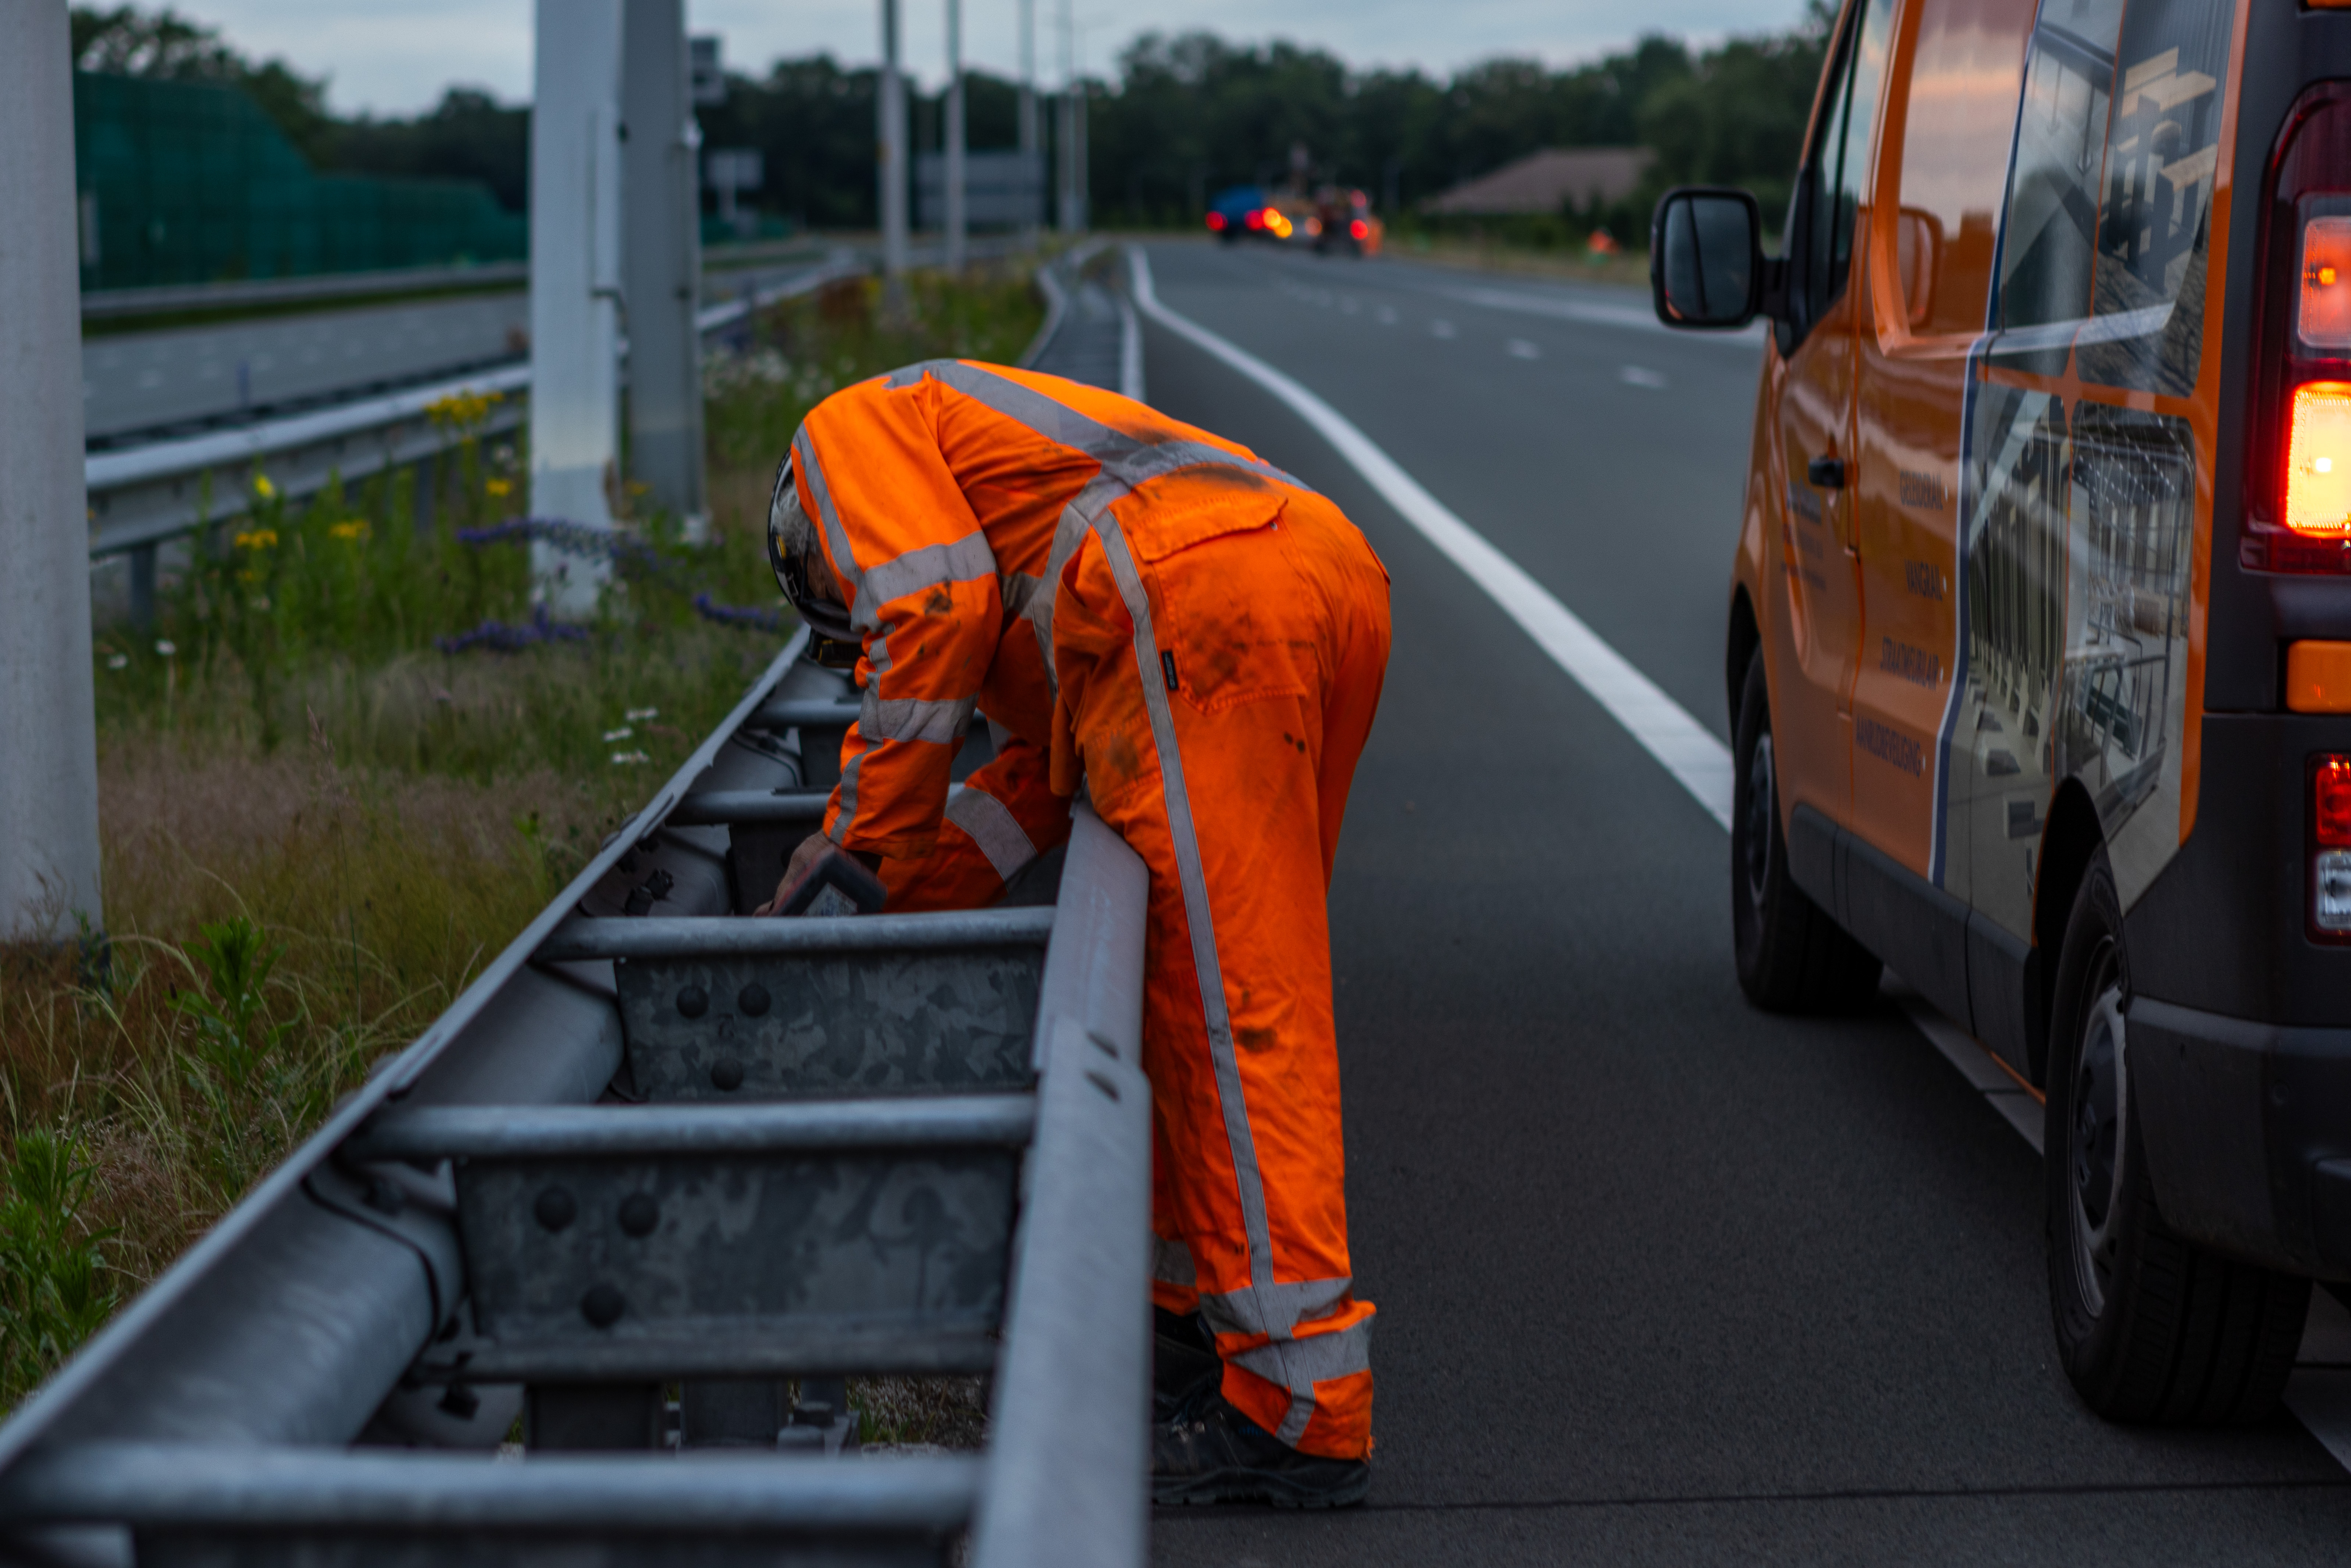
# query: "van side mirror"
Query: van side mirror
1706,258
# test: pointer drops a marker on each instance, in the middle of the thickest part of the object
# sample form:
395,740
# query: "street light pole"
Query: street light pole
575,290
1065,131
662,264
1029,137
48,730
957,215
892,161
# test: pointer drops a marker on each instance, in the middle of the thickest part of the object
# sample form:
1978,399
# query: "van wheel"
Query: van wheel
1792,958
2151,1327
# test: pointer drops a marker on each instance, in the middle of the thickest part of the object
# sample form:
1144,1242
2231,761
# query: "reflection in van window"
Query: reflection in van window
2049,237
1954,146
1841,155
2163,144
2107,229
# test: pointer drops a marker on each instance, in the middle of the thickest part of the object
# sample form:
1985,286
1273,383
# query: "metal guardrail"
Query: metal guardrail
647,1150
111,304
140,496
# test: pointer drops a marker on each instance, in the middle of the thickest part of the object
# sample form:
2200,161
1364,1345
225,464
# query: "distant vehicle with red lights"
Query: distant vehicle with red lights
1343,220
1247,212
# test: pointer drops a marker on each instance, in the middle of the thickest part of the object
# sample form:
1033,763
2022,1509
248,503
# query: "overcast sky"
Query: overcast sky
394,57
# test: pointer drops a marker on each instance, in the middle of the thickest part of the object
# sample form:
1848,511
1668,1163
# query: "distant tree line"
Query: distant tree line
1184,116
468,136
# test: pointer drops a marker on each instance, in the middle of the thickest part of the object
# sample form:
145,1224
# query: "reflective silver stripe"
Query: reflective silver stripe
1069,533
1275,1310
1017,588
1301,1363
1241,1140
966,558
1171,1263
846,793
1131,459
912,718
994,828
835,539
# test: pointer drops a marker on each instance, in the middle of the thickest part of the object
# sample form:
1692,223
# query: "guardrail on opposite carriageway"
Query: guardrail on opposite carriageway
655,1146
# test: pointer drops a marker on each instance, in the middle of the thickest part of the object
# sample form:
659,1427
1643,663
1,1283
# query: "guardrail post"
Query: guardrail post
575,287
49,737
662,264
422,496
142,587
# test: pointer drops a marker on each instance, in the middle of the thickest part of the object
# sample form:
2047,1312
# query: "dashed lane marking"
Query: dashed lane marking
1694,756
1441,328
1640,376
1519,348
2320,1391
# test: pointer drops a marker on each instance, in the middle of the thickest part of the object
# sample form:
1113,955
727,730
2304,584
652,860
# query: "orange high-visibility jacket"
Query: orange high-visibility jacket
948,495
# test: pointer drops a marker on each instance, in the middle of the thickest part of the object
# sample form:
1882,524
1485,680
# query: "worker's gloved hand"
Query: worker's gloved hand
859,887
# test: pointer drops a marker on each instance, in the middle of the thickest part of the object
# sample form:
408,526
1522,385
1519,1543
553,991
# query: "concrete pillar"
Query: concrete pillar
892,163
661,262
575,287
49,736
959,223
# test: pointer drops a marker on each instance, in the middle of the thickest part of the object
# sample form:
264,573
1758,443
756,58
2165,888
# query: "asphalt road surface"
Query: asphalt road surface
1660,1278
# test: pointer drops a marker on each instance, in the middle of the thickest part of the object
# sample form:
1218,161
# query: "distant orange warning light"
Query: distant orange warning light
2318,462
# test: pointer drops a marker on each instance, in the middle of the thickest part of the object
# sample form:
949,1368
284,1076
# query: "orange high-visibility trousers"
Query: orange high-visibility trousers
1217,694
1197,640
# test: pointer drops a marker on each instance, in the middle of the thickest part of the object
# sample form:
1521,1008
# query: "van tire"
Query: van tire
2151,1327
1792,958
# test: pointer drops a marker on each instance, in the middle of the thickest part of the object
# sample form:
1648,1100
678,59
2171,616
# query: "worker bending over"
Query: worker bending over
1150,613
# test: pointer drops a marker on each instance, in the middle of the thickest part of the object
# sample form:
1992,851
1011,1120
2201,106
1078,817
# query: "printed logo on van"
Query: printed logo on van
1905,663
1925,491
1926,580
1890,747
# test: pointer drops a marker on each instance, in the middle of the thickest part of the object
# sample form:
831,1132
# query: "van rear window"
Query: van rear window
2109,224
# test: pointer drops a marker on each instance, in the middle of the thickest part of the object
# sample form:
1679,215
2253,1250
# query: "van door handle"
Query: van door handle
1826,472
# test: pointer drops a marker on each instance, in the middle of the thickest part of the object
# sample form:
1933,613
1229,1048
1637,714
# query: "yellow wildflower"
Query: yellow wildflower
351,532
263,488
257,539
499,487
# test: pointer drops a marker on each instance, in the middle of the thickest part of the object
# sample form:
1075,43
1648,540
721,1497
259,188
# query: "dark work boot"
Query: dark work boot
1210,1452
1183,1357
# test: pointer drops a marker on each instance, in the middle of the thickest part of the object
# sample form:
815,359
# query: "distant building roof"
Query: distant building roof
1543,181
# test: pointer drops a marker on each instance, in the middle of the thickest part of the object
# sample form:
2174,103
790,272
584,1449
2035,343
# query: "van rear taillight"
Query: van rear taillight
2298,504
2318,461
2330,858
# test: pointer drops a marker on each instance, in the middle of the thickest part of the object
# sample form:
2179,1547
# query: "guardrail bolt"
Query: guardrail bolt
753,1001
726,1075
640,1214
693,1002
603,1305
555,1208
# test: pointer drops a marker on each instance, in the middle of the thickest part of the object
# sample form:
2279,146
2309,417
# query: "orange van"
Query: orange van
2040,627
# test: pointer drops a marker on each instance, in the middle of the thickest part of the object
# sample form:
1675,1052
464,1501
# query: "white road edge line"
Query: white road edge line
1695,757
2319,1396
